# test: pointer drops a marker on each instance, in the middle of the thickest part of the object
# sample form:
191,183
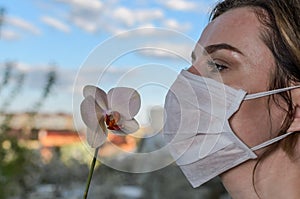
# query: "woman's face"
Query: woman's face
242,61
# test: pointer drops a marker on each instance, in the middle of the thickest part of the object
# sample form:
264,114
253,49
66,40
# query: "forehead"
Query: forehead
238,27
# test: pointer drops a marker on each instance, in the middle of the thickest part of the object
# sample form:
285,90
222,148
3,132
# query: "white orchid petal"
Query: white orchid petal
91,113
126,101
96,138
96,93
130,126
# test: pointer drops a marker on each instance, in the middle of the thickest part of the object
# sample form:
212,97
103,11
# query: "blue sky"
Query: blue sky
71,33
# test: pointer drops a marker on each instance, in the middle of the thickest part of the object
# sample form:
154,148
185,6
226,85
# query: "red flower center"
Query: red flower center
112,120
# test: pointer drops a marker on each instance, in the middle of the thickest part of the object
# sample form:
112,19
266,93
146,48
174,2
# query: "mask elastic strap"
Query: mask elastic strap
269,142
267,93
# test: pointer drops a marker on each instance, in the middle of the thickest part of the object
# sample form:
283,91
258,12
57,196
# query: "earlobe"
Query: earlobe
295,126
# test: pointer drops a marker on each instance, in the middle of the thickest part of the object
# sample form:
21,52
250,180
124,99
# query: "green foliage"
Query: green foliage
18,164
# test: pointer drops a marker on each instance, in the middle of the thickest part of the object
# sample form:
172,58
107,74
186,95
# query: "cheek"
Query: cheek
257,121
252,122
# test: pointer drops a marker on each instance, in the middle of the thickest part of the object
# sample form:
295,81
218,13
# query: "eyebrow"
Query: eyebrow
223,46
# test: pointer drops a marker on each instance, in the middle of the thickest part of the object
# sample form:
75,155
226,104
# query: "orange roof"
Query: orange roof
58,138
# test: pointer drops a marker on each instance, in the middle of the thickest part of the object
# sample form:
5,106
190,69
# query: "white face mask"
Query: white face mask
197,128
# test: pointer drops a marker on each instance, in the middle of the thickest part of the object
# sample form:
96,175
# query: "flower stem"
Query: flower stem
91,173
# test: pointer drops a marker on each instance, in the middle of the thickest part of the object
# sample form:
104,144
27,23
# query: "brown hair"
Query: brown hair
280,21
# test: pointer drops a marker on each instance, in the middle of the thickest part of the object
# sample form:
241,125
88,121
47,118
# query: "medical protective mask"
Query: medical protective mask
197,127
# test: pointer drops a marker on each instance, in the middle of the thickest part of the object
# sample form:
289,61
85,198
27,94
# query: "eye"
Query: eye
216,67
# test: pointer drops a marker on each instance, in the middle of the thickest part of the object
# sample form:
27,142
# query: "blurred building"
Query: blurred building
40,131
48,132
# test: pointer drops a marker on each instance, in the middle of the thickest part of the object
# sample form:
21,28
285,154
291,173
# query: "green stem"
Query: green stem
91,173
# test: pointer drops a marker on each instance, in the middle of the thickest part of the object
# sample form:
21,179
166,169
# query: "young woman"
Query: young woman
254,46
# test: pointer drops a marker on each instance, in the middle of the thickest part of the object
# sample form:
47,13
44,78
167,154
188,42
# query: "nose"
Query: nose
194,70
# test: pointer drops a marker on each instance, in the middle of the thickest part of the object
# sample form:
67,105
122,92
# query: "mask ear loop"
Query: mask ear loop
267,93
269,142
264,94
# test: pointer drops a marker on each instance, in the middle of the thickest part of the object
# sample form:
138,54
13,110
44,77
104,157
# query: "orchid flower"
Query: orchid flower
113,111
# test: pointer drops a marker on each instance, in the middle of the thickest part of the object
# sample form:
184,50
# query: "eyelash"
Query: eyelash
215,67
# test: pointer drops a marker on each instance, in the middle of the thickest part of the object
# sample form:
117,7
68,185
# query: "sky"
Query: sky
141,44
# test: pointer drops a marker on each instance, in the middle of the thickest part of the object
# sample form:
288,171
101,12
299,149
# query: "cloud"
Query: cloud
181,5
84,14
155,42
84,4
114,16
113,20
35,80
175,25
186,5
88,25
109,17
55,23
9,35
106,77
138,16
36,75
22,24
65,92
88,19
163,50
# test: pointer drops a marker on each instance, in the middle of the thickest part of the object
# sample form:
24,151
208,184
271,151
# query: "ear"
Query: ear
295,126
